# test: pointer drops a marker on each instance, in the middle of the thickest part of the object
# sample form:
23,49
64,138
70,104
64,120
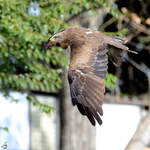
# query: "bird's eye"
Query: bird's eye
56,37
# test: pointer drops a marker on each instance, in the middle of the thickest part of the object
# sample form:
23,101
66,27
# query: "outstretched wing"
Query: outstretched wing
86,82
88,68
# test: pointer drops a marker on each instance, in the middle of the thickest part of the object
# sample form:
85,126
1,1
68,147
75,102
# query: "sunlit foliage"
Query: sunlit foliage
24,65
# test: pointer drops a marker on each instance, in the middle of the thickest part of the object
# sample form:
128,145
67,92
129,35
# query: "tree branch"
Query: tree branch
143,68
79,13
140,28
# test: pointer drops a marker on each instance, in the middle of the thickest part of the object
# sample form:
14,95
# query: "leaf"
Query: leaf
110,80
4,129
44,108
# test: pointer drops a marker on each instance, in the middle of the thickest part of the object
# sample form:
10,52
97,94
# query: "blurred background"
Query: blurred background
35,107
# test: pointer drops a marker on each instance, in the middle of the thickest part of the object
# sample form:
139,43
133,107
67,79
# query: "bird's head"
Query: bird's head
58,39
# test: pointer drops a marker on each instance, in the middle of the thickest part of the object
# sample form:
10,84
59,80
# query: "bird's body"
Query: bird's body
88,67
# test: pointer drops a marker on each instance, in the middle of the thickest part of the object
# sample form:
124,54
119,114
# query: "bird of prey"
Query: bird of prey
88,67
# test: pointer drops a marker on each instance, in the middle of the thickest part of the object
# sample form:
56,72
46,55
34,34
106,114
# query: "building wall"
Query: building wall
119,125
14,116
44,128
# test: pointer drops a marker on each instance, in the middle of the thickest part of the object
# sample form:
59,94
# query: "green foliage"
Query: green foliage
9,97
110,81
63,9
24,65
4,129
110,8
122,32
42,107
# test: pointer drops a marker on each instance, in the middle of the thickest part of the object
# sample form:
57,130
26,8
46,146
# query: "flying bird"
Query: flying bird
88,67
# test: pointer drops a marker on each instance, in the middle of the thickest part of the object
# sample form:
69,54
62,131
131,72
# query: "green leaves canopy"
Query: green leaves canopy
23,63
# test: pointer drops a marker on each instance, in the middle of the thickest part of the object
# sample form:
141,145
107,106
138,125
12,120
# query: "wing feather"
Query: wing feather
95,114
86,109
99,61
86,82
88,93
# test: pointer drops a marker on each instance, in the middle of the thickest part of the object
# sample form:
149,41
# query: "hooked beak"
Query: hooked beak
49,44
52,39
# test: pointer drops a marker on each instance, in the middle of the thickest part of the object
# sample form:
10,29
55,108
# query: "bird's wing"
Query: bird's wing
86,81
88,68
87,92
99,60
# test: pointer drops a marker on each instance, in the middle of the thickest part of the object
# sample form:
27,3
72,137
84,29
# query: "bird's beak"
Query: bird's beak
48,44
52,39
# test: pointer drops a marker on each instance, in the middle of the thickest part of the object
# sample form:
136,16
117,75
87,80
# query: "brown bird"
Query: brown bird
88,67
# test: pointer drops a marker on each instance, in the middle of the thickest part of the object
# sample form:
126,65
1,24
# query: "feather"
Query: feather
88,90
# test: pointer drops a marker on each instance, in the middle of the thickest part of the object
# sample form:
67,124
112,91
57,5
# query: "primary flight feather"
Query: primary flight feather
88,67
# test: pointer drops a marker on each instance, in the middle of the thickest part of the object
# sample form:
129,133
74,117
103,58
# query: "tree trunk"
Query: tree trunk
76,131
141,138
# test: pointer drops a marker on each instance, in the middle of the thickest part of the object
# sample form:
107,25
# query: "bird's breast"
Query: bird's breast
79,57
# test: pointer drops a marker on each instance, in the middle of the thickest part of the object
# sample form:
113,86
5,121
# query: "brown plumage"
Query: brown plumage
88,67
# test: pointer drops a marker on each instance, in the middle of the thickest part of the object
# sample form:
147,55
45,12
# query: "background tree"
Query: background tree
24,25
24,65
